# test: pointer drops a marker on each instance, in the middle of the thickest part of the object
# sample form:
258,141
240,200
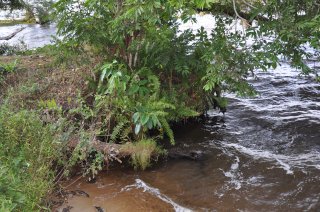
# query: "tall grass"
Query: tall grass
142,152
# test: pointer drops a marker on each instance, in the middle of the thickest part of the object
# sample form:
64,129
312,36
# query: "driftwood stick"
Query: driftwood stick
8,37
112,151
117,152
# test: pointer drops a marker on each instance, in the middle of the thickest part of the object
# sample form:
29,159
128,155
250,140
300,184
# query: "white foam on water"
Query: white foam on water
139,184
262,154
234,175
286,162
285,166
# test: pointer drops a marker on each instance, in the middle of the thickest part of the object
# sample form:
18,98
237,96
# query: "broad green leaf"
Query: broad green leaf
137,129
136,117
144,119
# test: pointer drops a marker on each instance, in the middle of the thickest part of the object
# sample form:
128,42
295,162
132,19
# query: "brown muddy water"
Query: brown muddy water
263,155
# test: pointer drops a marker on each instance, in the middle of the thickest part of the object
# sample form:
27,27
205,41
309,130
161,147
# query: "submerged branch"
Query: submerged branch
111,151
8,37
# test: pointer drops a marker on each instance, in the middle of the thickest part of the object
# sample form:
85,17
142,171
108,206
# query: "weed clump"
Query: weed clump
7,68
142,152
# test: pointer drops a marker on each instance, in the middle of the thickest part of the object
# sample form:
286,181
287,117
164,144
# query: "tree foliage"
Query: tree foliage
154,72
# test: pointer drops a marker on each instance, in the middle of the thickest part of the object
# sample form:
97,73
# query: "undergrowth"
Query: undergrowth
6,68
27,151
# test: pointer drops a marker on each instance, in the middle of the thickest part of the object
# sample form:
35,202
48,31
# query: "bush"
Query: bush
27,150
43,15
7,49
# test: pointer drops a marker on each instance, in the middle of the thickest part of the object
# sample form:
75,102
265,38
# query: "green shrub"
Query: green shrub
43,15
27,150
7,49
136,103
7,68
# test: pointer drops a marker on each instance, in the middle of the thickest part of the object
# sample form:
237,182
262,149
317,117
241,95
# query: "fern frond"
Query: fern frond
185,112
125,134
155,83
161,105
116,132
166,128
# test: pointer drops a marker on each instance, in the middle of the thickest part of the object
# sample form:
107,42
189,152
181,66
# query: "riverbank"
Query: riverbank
57,94
30,143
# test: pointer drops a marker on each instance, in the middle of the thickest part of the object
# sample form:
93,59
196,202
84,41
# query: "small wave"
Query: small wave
262,154
139,184
311,159
234,175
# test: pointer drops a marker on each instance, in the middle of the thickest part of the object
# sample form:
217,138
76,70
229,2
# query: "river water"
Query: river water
263,155
32,36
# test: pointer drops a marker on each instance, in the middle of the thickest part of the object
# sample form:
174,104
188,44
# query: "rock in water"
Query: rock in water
99,209
80,193
193,155
67,209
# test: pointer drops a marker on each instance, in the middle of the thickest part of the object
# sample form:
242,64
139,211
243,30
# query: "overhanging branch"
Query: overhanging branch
230,10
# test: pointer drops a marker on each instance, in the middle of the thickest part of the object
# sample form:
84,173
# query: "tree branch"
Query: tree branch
248,4
229,11
235,10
